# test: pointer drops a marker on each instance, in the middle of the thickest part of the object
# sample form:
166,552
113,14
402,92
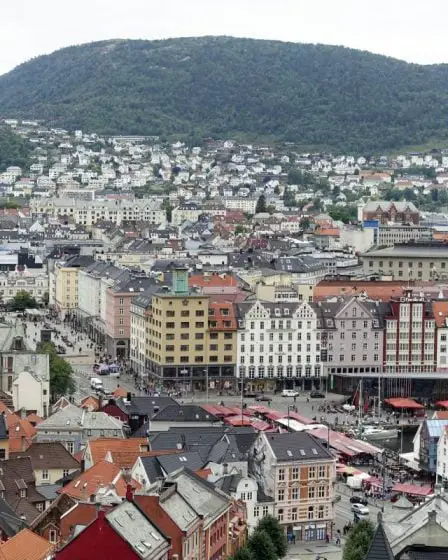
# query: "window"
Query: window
280,514
294,514
321,492
70,447
311,512
295,473
199,336
184,348
294,494
23,493
199,313
185,325
311,492
65,473
281,474
322,471
199,325
52,536
184,313
312,472
281,495
256,511
170,314
45,475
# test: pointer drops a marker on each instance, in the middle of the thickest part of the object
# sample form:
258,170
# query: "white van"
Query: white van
289,393
96,384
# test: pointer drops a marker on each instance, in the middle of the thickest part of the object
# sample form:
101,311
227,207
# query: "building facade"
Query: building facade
298,473
278,345
418,260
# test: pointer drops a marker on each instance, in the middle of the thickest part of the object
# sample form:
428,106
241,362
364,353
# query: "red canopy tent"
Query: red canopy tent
403,403
443,404
412,489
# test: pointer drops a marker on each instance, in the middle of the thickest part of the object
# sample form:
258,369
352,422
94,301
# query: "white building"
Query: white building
31,392
89,212
244,204
36,283
278,345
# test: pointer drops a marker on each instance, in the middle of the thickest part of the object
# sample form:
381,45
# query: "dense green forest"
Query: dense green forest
14,150
313,95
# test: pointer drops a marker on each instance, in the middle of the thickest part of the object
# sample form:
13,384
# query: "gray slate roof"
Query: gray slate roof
379,547
297,446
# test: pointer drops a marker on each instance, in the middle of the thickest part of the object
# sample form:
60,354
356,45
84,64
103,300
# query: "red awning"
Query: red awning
403,403
443,404
413,489
238,420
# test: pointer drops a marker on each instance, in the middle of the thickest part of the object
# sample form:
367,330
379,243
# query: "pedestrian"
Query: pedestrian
327,538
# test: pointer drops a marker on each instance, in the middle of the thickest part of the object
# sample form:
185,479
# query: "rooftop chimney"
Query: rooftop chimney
129,493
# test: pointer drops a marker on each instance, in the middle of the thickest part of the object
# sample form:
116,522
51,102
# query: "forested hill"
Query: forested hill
220,86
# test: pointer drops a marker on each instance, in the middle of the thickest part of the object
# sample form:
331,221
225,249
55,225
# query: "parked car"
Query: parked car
317,395
249,395
289,393
359,500
360,510
263,398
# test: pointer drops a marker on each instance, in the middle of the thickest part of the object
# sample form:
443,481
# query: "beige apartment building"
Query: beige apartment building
418,260
66,283
298,473
179,337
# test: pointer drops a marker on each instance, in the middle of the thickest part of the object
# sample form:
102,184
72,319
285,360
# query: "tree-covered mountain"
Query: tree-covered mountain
14,150
314,95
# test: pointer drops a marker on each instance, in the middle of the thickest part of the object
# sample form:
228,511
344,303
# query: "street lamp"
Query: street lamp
206,384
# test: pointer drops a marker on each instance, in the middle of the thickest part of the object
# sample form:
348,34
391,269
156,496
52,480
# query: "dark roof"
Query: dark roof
229,483
3,427
152,468
191,460
10,522
297,446
422,552
232,448
146,406
184,413
379,547
17,474
188,439
48,456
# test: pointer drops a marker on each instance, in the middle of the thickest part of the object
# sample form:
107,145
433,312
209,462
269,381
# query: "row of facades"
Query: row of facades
183,336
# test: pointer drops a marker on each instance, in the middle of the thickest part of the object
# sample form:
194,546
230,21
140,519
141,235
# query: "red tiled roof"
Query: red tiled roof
102,474
440,310
413,489
26,545
212,280
99,447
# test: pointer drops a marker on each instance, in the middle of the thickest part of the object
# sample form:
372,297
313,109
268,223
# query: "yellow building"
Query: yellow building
189,341
66,283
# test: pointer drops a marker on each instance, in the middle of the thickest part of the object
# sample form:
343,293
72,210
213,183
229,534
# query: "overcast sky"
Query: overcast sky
405,29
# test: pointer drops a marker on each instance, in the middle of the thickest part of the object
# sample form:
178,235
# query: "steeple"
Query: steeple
379,547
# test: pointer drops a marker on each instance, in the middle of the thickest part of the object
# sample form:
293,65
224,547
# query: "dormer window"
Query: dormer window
23,493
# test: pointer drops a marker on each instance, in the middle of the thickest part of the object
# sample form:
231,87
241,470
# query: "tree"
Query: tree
272,527
261,546
239,229
358,541
305,223
261,204
244,553
61,372
22,300
166,205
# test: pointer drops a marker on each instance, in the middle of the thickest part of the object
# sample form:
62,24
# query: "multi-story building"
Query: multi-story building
89,212
35,282
244,204
418,260
190,339
66,283
351,340
299,474
118,312
409,344
140,317
278,345
385,212
389,235
189,211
